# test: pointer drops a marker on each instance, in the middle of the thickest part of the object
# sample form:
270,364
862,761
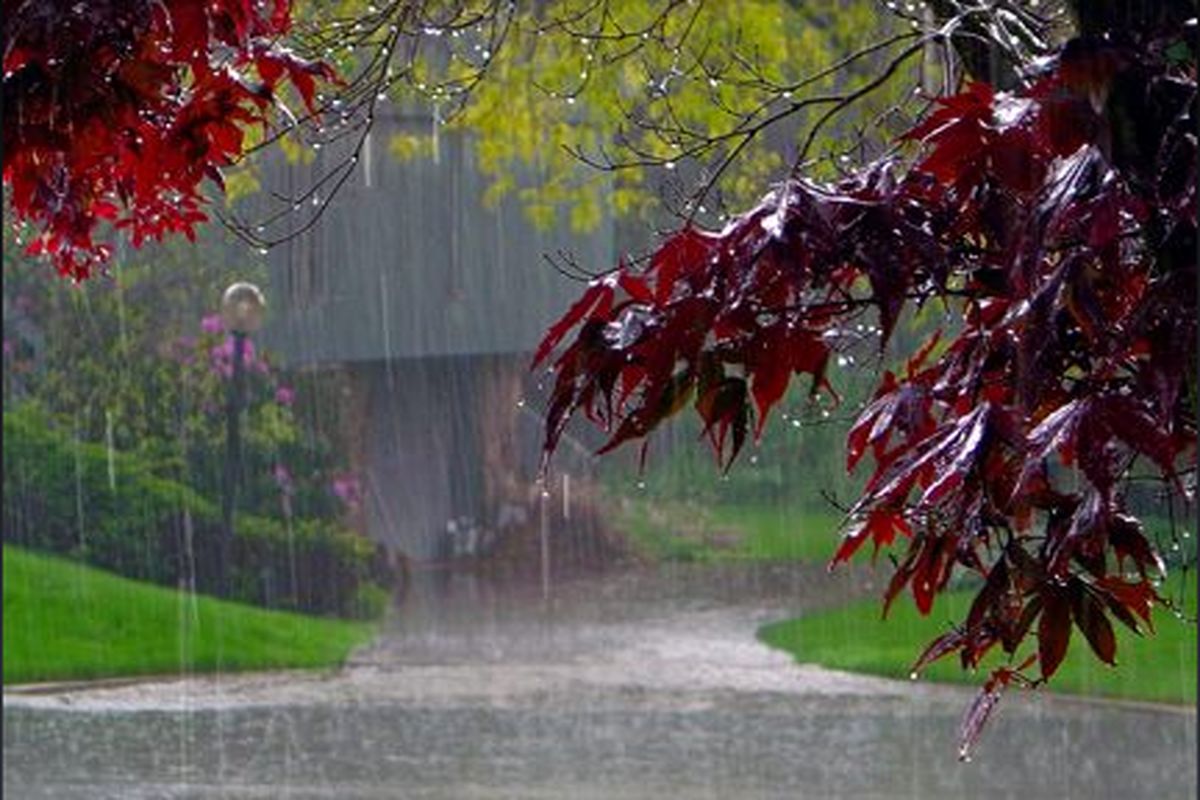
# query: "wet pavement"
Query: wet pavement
638,685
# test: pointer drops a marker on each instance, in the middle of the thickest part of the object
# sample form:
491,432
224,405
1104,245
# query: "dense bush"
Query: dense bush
108,509
141,361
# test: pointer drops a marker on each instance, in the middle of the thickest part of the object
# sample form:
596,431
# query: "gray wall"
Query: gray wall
431,303
408,262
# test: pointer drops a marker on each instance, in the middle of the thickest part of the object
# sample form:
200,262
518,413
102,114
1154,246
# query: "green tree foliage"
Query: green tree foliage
655,95
559,91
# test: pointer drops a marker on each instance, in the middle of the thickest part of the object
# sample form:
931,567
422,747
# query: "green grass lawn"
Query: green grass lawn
63,620
781,533
665,530
1159,668
682,532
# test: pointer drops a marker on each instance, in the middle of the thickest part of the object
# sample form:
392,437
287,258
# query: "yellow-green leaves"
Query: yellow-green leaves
631,86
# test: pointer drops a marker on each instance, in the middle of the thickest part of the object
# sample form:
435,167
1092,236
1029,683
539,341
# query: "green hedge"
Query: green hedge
73,499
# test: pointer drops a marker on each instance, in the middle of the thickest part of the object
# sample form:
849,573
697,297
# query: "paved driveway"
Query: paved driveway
630,686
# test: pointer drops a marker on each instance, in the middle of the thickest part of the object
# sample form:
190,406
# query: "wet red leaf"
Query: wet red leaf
598,296
1054,628
1091,620
1070,266
116,113
1136,598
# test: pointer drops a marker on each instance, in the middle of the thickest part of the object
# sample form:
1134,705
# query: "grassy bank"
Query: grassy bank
67,621
1160,668
781,533
685,532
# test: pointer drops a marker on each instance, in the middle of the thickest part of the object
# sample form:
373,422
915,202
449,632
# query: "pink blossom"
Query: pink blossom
221,361
211,323
285,395
221,357
283,478
287,487
8,348
346,488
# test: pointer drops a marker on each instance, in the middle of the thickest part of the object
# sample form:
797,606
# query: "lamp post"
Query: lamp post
242,309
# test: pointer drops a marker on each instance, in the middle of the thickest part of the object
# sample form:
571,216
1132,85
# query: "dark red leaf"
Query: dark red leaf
851,541
634,426
1135,426
945,644
1128,540
771,368
924,584
1056,432
725,408
128,110
985,703
636,287
595,301
1090,618
956,133
977,715
856,443
685,251
1054,628
1121,613
1027,213
952,449
1028,614
900,577
1137,598
990,595
881,525
969,446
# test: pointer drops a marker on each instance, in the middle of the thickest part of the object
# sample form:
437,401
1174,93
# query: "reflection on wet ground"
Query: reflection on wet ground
637,685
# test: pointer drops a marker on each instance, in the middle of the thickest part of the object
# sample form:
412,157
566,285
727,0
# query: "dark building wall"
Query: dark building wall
446,447
429,304
408,262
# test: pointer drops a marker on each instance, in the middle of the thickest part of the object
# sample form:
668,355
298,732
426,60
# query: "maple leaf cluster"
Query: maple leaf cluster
116,111
1068,243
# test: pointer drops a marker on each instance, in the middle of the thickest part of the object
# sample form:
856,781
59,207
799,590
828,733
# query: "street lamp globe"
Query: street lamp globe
243,307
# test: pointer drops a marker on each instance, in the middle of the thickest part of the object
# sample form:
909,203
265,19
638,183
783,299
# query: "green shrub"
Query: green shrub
371,601
109,510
